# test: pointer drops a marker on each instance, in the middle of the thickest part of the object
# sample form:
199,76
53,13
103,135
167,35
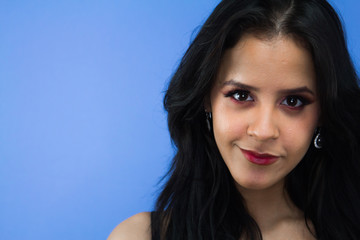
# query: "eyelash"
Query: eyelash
239,92
303,101
245,94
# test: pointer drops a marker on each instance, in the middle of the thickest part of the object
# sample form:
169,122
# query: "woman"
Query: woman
264,111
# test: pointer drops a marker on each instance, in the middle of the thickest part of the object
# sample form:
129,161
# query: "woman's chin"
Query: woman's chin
256,184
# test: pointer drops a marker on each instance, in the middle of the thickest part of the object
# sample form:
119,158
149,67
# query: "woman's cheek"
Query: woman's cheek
229,127
297,138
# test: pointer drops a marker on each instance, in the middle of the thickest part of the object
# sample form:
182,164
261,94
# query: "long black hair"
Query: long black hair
199,199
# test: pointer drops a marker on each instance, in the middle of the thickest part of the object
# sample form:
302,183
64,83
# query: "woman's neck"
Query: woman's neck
270,207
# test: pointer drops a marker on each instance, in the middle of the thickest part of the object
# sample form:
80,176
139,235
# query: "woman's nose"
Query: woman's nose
263,125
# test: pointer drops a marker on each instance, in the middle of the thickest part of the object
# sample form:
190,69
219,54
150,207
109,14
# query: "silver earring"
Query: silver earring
318,140
208,120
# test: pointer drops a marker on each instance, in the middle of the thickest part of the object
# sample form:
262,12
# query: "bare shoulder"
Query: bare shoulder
136,227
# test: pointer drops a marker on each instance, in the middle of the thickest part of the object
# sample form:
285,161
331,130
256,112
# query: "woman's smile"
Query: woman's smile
259,158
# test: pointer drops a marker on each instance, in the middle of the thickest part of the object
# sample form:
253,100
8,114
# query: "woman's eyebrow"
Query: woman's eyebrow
282,91
297,90
239,85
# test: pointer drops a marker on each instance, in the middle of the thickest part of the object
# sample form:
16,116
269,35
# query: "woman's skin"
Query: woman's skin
264,101
265,111
136,227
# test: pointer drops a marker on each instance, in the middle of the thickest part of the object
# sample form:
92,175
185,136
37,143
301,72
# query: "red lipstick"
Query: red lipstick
258,158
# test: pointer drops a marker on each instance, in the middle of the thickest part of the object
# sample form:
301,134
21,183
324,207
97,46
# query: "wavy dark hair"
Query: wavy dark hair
199,199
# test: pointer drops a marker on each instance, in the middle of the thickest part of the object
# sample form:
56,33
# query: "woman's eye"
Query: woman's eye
293,101
242,96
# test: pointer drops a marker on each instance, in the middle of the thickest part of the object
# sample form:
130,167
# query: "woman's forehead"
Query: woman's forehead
279,59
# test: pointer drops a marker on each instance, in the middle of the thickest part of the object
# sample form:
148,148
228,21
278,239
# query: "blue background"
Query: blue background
83,135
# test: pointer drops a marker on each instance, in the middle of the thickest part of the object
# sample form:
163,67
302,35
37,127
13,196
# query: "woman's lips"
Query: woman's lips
258,158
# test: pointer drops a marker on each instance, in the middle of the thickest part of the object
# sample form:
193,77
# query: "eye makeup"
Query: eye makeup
291,102
239,95
295,102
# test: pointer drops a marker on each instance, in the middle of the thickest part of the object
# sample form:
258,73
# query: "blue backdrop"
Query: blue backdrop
83,135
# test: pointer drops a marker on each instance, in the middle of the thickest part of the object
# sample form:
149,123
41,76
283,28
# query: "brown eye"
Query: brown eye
242,96
293,101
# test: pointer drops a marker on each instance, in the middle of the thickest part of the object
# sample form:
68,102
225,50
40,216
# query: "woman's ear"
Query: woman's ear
320,121
207,103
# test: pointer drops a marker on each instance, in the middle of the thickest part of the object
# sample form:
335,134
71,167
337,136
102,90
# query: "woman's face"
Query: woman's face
265,109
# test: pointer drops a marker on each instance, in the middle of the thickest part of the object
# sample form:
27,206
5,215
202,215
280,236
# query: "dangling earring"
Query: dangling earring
318,139
208,120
